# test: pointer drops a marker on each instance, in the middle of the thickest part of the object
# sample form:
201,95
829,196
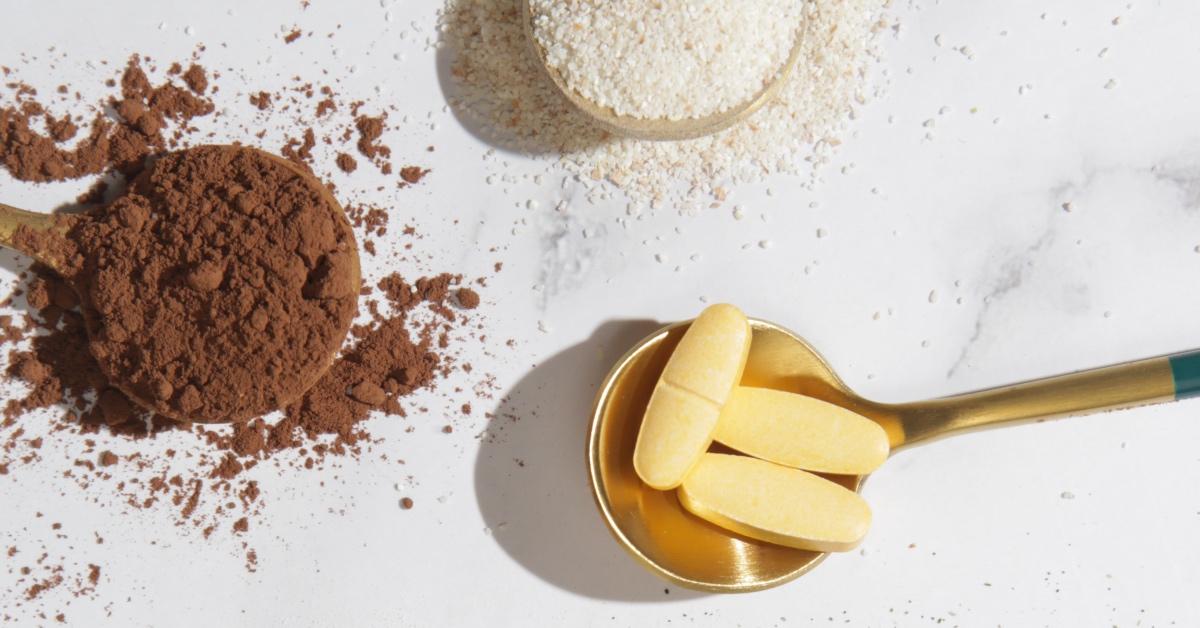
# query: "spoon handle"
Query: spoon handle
12,219
1128,385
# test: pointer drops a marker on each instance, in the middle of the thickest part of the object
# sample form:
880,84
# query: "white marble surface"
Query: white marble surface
948,264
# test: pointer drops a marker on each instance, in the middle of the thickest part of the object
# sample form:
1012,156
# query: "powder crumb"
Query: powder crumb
370,129
368,393
406,503
467,298
413,174
107,458
346,163
196,79
292,36
261,100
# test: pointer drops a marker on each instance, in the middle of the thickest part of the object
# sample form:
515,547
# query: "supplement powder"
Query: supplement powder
671,59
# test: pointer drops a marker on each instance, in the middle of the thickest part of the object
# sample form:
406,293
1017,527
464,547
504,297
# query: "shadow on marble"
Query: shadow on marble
531,478
470,103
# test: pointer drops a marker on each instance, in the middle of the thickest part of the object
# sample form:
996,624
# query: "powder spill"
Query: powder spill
205,479
501,85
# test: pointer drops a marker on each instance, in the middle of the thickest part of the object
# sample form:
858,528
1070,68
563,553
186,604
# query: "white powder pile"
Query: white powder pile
502,93
670,59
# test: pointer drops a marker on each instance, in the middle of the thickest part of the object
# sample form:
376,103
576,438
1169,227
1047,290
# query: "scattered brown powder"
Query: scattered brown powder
143,112
300,150
346,162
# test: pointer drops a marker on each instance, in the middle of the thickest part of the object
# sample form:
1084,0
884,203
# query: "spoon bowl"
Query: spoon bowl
652,524
658,129
33,234
688,551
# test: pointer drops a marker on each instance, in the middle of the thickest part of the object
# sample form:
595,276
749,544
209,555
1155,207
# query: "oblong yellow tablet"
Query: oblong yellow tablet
682,414
774,503
802,432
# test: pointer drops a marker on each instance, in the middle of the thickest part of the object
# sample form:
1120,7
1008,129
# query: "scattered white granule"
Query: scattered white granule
503,87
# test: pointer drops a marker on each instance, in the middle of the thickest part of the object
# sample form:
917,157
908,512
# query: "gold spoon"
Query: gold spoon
658,128
12,220
688,551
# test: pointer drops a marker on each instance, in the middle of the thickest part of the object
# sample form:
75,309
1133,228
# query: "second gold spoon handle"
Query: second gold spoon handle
12,219
1143,382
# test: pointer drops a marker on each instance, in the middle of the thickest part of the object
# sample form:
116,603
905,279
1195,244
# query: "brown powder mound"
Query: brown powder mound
123,145
220,283
346,163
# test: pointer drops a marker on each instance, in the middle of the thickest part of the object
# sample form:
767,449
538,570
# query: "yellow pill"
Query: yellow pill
801,432
696,382
777,504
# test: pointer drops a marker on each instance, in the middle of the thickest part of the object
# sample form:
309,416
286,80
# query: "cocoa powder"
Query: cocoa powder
206,485
218,287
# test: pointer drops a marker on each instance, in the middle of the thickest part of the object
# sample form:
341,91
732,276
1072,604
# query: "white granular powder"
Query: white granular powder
503,93
671,59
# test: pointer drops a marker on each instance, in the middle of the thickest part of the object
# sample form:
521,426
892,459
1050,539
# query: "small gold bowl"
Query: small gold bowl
651,524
